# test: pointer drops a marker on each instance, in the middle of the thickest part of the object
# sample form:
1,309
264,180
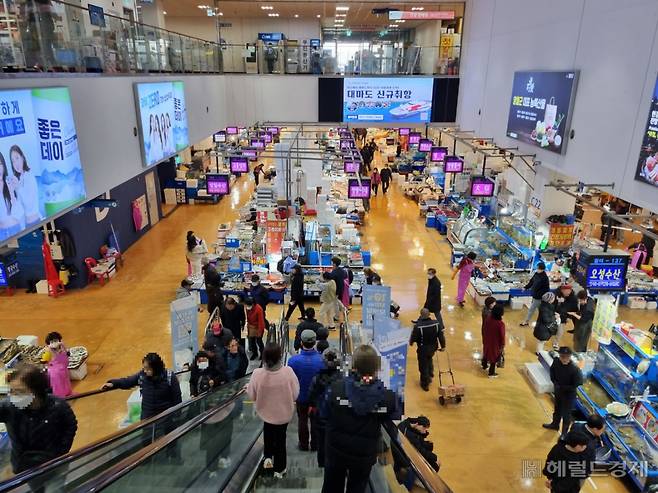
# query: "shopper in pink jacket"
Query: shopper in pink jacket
274,390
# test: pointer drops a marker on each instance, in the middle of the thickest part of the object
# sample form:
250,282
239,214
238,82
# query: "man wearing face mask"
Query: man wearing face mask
40,427
433,297
204,376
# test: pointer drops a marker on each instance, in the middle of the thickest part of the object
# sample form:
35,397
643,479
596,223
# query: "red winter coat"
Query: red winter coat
493,339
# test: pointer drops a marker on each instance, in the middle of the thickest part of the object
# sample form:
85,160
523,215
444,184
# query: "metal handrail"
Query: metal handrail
135,460
30,474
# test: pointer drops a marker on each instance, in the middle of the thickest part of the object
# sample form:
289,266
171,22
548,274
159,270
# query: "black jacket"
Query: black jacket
158,393
339,275
426,333
220,341
570,304
236,364
38,435
297,286
354,414
546,325
420,443
200,379
234,320
566,378
566,469
433,298
539,285
313,325
319,385
260,294
386,174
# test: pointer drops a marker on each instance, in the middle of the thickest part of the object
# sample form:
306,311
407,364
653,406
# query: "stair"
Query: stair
303,476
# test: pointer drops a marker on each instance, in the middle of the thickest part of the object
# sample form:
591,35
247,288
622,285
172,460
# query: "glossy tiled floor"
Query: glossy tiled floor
482,443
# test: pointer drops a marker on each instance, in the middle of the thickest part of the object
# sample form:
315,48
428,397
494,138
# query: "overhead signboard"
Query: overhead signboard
396,15
602,271
541,107
647,165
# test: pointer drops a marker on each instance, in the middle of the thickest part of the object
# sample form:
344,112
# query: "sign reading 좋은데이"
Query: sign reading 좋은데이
387,100
184,327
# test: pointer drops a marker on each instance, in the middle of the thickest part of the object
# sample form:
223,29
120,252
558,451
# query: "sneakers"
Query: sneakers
268,463
280,475
495,375
224,462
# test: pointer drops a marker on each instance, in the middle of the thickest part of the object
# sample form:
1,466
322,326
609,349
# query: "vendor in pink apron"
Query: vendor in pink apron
56,357
464,269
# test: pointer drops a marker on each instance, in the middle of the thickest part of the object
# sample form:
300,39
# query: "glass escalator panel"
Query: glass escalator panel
69,472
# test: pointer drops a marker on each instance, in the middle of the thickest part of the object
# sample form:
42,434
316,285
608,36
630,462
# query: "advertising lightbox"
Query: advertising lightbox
231,130
39,160
387,100
647,165
163,120
403,131
541,107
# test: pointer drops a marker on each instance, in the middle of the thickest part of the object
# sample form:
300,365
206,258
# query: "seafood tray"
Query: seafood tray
639,444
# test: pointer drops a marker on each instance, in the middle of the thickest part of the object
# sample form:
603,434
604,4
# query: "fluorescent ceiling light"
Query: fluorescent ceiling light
318,16
342,9
340,15
273,15
400,21
418,8
266,7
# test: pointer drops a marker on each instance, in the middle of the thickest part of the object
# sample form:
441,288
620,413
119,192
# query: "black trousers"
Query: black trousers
320,430
335,476
564,404
492,366
375,188
274,438
386,184
304,432
294,304
256,346
426,364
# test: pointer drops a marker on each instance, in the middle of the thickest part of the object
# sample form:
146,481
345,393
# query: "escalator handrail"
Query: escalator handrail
133,461
46,467
425,473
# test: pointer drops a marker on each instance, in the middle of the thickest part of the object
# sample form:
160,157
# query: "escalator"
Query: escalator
210,444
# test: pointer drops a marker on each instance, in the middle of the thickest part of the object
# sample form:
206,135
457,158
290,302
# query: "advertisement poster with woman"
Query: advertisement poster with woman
40,168
647,166
163,117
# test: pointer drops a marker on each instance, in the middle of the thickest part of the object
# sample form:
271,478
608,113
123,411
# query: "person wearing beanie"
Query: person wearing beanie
355,407
321,382
566,378
306,365
274,389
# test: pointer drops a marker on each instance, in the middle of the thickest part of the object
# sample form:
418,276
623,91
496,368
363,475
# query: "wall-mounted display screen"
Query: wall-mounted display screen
239,164
438,154
267,137
647,165
40,169
273,130
453,164
541,107
163,120
387,100
414,137
250,153
425,145
347,144
219,137
482,187
356,190
217,184
350,166
404,131
231,130
257,143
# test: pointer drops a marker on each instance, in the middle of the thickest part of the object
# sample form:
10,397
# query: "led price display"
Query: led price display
414,137
257,143
404,131
40,168
231,130
454,164
386,100
351,166
239,164
163,120
424,145
217,184
356,190
647,165
438,154
273,130
482,187
219,137
250,153
540,109
267,137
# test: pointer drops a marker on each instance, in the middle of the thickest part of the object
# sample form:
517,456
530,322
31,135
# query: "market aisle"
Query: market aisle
483,442
129,316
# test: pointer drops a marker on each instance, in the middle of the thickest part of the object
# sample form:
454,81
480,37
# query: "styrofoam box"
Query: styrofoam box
652,305
42,287
79,373
637,303
516,303
539,378
27,340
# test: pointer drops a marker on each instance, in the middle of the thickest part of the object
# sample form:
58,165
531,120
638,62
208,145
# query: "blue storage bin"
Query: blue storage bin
430,221
366,258
326,259
313,258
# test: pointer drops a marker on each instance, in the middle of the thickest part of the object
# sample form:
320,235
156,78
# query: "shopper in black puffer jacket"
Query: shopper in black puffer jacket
310,323
40,426
158,386
296,291
547,321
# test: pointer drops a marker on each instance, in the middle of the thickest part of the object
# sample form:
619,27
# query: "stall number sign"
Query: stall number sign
560,235
7,272
606,273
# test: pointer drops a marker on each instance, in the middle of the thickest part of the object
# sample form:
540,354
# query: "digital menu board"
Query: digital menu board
425,145
541,107
250,153
482,187
347,144
387,100
217,184
438,154
40,169
358,189
404,131
257,143
454,164
231,130
239,164
219,137
350,166
414,137
273,130
267,137
162,120
647,164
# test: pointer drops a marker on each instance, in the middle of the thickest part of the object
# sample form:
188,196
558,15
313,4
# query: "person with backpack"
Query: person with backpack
355,407
296,291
